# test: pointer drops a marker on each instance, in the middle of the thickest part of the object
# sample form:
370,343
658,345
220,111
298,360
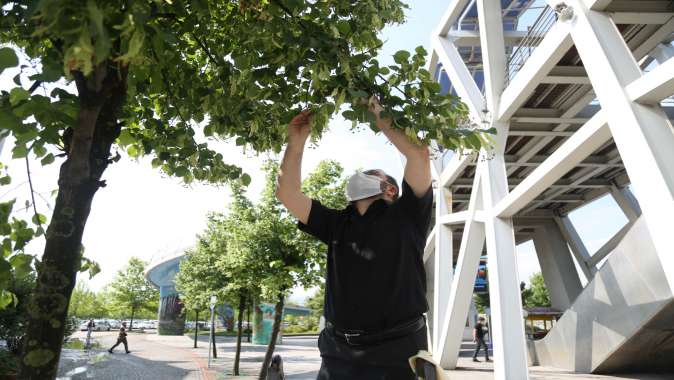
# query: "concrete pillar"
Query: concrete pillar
627,202
559,272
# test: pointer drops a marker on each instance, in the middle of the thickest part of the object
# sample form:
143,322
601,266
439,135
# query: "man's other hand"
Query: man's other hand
376,109
300,127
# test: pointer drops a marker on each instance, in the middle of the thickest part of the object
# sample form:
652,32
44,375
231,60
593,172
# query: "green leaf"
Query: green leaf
349,115
245,179
402,56
18,94
8,58
125,138
22,264
19,151
420,51
358,93
181,171
7,298
48,159
39,219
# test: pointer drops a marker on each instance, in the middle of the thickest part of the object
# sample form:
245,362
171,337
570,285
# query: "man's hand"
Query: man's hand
417,168
376,108
289,183
300,127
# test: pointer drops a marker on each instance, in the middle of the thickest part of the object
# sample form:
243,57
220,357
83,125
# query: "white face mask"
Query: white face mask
361,186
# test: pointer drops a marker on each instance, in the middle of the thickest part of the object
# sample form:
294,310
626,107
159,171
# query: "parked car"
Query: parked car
101,325
114,324
84,326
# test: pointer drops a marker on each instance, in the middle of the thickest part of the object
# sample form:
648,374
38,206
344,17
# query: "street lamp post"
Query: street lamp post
210,336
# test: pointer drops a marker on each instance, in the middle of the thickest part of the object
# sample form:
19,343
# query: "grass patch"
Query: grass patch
78,344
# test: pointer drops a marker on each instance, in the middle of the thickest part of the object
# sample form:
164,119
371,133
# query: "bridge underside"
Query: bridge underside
581,104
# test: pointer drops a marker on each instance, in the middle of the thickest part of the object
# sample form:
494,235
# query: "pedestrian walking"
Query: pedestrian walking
478,337
121,338
375,293
90,329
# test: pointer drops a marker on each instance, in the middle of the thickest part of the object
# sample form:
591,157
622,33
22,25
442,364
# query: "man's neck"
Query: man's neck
363,204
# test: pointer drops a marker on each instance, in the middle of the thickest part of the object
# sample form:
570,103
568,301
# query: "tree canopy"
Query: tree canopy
131,291
537,294
156,77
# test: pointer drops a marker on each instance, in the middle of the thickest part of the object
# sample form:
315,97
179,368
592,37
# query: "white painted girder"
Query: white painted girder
472,37
588,138
655,85
543,59
658,18
450,331
450,16
454,169
461,79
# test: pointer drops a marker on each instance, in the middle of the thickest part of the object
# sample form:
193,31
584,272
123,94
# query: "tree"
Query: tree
131,291
242,283
315,303
147,72
537,294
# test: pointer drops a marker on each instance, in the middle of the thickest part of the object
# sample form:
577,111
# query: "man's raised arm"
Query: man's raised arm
418,167
289,190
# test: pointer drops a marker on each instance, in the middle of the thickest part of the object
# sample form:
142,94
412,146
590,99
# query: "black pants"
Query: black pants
126,346
480,343
382,361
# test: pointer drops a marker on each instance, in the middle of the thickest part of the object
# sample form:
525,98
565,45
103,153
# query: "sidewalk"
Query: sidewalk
301,359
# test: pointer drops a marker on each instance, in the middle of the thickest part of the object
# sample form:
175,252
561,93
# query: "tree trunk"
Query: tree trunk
250,328
87,147
278,314
237,356
215,351
196,328
133,314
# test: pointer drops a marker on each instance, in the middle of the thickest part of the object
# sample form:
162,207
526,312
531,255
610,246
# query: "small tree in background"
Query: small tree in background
131,291
537,294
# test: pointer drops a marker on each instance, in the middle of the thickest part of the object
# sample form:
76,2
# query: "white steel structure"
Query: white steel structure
577,117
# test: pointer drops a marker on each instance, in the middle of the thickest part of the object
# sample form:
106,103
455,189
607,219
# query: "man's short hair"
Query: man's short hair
390,180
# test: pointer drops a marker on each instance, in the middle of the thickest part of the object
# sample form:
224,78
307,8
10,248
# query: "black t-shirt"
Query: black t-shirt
375,274
479,331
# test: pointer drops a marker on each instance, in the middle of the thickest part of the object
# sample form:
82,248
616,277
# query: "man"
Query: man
375,282
90,328
478,338
121,338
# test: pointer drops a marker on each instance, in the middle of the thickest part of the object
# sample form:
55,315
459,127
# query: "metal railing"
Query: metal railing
528,44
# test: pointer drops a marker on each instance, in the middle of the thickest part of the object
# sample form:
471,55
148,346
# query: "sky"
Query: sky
146,214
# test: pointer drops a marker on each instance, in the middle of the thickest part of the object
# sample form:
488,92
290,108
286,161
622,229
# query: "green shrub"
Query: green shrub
9,363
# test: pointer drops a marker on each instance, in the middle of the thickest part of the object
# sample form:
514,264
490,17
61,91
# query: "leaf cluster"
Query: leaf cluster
130,290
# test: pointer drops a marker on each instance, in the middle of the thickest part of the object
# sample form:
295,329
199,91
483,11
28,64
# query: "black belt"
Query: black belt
360,337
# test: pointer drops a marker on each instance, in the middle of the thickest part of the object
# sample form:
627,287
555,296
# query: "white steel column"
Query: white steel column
643,134
472,242
443,263
507,326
